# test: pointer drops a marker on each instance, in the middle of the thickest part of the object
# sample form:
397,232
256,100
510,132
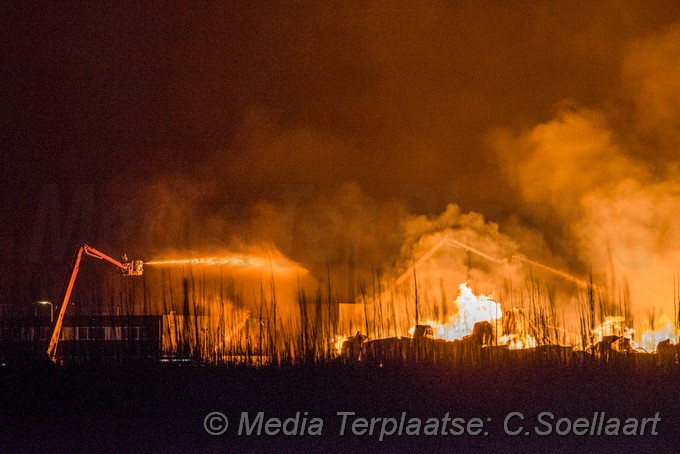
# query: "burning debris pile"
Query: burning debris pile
471,309
478,323
480,328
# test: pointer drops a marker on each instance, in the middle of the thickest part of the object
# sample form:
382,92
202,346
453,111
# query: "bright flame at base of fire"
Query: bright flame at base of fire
471,309
613,326
339,340
516,342
651,338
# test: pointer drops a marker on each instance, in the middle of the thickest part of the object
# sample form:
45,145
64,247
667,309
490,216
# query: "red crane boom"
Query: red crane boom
129,268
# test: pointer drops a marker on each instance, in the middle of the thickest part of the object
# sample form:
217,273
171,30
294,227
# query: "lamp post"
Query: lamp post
205,343
44,303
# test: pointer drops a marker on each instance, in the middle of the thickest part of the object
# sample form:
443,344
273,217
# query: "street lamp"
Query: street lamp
44,303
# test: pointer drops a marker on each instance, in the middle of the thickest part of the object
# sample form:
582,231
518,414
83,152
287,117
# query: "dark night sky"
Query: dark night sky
95,91
238,98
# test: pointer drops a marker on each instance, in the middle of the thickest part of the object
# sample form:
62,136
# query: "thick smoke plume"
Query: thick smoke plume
612,182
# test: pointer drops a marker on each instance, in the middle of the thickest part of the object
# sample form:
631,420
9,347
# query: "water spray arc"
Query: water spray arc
234,261
516,259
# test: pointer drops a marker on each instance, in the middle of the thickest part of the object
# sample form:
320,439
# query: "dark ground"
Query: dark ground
161,408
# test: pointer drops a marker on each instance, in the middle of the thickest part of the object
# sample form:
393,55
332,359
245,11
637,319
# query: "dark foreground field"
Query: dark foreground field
161,408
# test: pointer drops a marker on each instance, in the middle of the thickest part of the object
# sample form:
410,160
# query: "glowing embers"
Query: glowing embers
517,341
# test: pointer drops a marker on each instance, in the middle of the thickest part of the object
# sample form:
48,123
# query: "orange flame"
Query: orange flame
339,340
471,309
651,338
517,342
612,326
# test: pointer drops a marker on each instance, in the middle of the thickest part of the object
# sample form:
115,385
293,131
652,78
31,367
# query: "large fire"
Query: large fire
471,309
663,330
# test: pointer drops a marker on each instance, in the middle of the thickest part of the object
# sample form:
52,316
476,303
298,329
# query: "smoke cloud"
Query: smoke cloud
612,183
